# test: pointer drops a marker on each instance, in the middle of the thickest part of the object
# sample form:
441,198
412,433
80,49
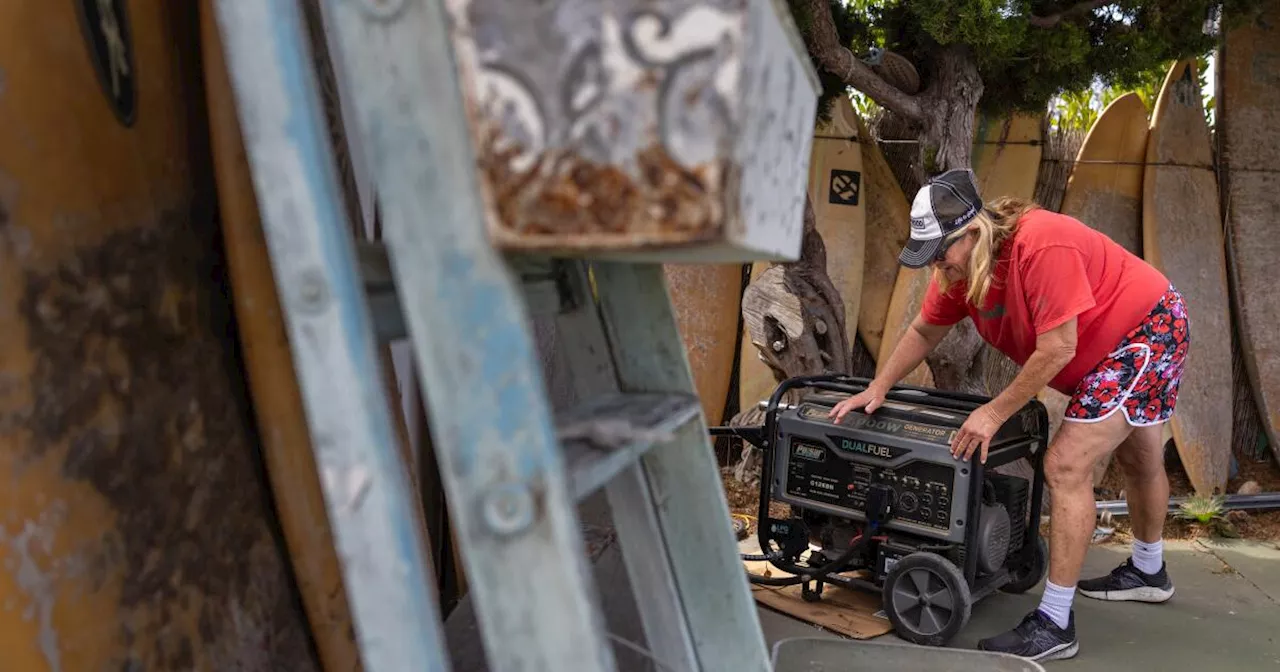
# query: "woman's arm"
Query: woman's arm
921,338
1054,350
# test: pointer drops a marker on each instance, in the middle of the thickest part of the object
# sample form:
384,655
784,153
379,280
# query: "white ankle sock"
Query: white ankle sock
1056,603
1148,557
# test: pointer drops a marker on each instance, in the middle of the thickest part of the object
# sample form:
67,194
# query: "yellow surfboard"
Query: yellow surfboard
1105,187
136,529
755,378
888,227
277,400
1006,161
1105,192
706,299
1249,86
837,190
908,293
1182,236
1006,155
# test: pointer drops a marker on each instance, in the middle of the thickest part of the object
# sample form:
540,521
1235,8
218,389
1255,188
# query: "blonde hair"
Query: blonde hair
994,225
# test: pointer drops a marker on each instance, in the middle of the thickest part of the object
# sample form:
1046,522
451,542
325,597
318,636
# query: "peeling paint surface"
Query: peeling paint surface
36,539
636,124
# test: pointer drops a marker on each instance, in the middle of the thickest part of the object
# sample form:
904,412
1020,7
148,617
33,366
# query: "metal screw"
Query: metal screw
382,9
313,293
508,509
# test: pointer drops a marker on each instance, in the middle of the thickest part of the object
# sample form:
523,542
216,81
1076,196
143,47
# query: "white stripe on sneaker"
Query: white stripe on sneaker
1140,594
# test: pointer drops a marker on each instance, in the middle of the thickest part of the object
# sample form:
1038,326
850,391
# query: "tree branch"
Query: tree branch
824,44
1054,19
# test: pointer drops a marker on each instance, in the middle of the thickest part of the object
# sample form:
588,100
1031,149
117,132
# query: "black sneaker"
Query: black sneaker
1036,638
1127,583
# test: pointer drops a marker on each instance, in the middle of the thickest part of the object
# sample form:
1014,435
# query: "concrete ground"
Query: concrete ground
1224,616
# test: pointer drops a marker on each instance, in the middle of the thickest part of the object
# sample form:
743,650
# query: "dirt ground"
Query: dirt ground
1255,526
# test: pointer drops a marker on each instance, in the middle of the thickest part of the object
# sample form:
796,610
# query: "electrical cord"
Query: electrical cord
816,573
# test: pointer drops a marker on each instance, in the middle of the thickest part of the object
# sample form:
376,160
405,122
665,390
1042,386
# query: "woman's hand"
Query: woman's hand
976,433
868,399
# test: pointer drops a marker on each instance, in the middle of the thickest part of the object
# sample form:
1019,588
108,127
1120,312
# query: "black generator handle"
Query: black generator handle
956,401
853,384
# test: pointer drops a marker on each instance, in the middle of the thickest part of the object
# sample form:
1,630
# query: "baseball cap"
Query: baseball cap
944,204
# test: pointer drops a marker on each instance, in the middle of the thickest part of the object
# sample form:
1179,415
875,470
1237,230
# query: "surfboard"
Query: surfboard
1183,237
1105,187
1105,192
908,293
136,530
1006,155
706,299
888,227
1248,110
755,378
277,401
837,190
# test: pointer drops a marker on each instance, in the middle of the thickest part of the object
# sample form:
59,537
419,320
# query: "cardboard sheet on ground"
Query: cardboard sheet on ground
852,613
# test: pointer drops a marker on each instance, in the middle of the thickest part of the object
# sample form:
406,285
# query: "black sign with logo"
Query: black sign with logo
844,187
105,25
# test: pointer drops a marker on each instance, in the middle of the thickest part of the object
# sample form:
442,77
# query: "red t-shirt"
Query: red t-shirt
1054,268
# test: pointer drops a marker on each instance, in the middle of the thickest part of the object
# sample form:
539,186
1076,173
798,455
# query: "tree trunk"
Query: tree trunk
948,106
795,318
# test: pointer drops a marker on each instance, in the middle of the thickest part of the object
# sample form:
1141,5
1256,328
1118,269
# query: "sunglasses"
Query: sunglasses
946,245
948,242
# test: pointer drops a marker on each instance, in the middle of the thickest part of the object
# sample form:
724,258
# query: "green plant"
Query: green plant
863,105
1207,512
1076,110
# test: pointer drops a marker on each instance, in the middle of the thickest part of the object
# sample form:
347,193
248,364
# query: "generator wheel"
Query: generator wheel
927,599
1029,574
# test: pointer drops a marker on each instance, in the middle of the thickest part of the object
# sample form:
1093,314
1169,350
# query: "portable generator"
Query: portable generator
879,503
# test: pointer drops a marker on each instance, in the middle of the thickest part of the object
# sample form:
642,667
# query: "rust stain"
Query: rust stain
133,398
563,199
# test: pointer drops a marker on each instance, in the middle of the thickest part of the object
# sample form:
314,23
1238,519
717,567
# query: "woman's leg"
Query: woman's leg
1068,471
1142,577
1141,460
1049,632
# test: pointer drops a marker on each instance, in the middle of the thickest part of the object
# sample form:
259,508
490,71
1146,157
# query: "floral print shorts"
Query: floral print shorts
1140,377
